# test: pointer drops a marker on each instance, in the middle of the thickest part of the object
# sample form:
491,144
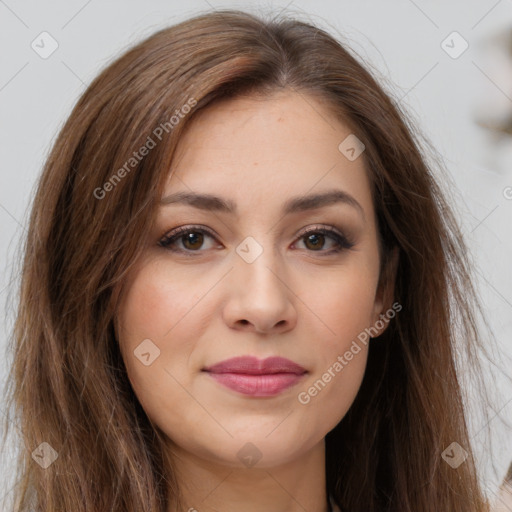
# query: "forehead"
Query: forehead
254,148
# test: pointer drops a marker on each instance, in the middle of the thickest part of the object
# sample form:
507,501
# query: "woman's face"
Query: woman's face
247,281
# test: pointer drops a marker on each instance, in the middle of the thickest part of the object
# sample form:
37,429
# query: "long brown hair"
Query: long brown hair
68,383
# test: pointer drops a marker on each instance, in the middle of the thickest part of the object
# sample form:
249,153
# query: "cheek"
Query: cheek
340,367
326,397
343,303
154,331
158,302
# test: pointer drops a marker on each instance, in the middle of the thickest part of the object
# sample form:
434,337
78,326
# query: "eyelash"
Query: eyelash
342,241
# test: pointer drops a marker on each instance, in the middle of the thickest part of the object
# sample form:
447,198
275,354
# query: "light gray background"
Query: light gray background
402,41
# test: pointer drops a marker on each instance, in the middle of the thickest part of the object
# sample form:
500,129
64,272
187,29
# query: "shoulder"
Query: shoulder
334,507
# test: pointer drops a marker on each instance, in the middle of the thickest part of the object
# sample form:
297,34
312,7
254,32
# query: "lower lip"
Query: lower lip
257,385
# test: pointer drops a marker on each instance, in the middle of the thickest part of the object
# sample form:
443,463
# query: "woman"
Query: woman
242,290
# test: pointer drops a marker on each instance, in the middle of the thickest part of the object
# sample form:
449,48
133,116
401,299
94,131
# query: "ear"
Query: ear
385,291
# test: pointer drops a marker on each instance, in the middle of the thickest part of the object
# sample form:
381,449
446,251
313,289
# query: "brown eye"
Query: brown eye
187,239
192,240
314,241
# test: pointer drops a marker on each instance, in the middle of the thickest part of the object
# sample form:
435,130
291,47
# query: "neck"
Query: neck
210,486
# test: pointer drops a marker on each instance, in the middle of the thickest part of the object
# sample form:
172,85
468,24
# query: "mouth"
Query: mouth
254,377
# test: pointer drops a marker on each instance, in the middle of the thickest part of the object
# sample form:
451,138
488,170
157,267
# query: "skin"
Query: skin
504,500
295,300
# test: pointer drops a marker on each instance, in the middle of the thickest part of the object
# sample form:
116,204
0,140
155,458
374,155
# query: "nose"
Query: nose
259,298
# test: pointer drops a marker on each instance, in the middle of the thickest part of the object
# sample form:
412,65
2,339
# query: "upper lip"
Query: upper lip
250,365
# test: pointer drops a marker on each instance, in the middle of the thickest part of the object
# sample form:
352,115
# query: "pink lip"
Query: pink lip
255,377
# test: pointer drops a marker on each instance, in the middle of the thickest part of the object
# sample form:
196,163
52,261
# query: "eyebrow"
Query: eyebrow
295,204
